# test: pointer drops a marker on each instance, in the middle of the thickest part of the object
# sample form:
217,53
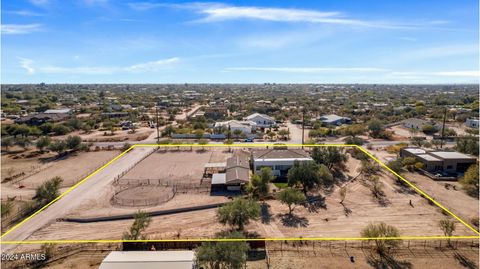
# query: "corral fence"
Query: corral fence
124,172
162,197
180,185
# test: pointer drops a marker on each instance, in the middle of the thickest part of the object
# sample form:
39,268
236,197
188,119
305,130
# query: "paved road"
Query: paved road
90,189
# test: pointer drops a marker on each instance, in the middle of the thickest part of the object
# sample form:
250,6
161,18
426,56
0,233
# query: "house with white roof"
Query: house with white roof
280,160
261,120
333,119
245,126
440,161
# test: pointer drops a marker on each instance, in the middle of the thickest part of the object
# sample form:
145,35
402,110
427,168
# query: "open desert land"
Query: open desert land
141,133
327,219
71,168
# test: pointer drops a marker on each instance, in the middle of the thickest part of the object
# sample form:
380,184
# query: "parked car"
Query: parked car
250,139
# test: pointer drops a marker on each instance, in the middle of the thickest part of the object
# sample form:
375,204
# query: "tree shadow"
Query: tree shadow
267,216
383,201
291,220
464,261
403,187
387,261
315,202
347,211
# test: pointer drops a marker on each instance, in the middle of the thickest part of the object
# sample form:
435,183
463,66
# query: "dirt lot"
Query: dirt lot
141,133
339,257
462,205
180,166
71,168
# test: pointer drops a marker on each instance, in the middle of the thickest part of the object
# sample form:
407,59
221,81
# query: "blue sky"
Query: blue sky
333,41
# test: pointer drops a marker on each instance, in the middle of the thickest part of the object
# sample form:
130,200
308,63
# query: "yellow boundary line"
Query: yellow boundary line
250,239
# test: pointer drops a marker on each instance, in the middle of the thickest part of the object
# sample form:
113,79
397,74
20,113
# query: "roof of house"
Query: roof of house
450,155
331,118
58,111
415,151
149,259
259,115
235,123
238,168
428,157
219,178
279,154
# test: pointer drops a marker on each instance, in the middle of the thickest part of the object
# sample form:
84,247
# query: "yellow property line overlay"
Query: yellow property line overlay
249,239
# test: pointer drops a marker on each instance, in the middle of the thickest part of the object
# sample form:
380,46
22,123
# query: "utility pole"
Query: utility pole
158,133
303,127
443,127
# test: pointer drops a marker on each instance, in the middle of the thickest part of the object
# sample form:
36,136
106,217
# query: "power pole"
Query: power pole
303,127
443,127
158,132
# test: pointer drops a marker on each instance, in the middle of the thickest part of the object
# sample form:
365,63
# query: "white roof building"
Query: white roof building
262,120
149,260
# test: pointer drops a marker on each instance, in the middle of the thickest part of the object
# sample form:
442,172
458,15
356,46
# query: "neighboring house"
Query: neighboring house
184,259
216,112
237,173
333,119
440,161
418,124
280,160
59,111
472,123
262,120
41,118
245,126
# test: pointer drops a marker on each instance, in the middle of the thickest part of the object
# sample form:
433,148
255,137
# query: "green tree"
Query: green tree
60,129
448,227
304,174
223,254
409,163
140,224
468,145
237,132
417,141
48,191
470,179
429,129
239,213
291,197
7,142
59,146
259,183
324,174
378,231
332,157
43,142
23,142
375,127
73,142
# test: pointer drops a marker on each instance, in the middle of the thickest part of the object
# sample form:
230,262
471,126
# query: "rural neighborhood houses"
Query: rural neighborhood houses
335,120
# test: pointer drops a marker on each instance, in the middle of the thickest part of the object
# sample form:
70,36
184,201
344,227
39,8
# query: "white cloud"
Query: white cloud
12,29
100,70
27,65
214,12
308,69
23,12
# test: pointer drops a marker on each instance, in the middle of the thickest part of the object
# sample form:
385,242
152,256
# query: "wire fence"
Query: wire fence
124,172
180,185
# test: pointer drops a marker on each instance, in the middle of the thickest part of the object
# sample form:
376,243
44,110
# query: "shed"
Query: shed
149,260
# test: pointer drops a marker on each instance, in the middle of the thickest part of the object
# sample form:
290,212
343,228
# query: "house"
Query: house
333,119
149,259
237,172
59,111
418,124
216,112
472,123
245,126
41,118
261,120
440,161
280,160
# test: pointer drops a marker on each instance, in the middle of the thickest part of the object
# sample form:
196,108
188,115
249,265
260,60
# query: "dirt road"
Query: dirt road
91,189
